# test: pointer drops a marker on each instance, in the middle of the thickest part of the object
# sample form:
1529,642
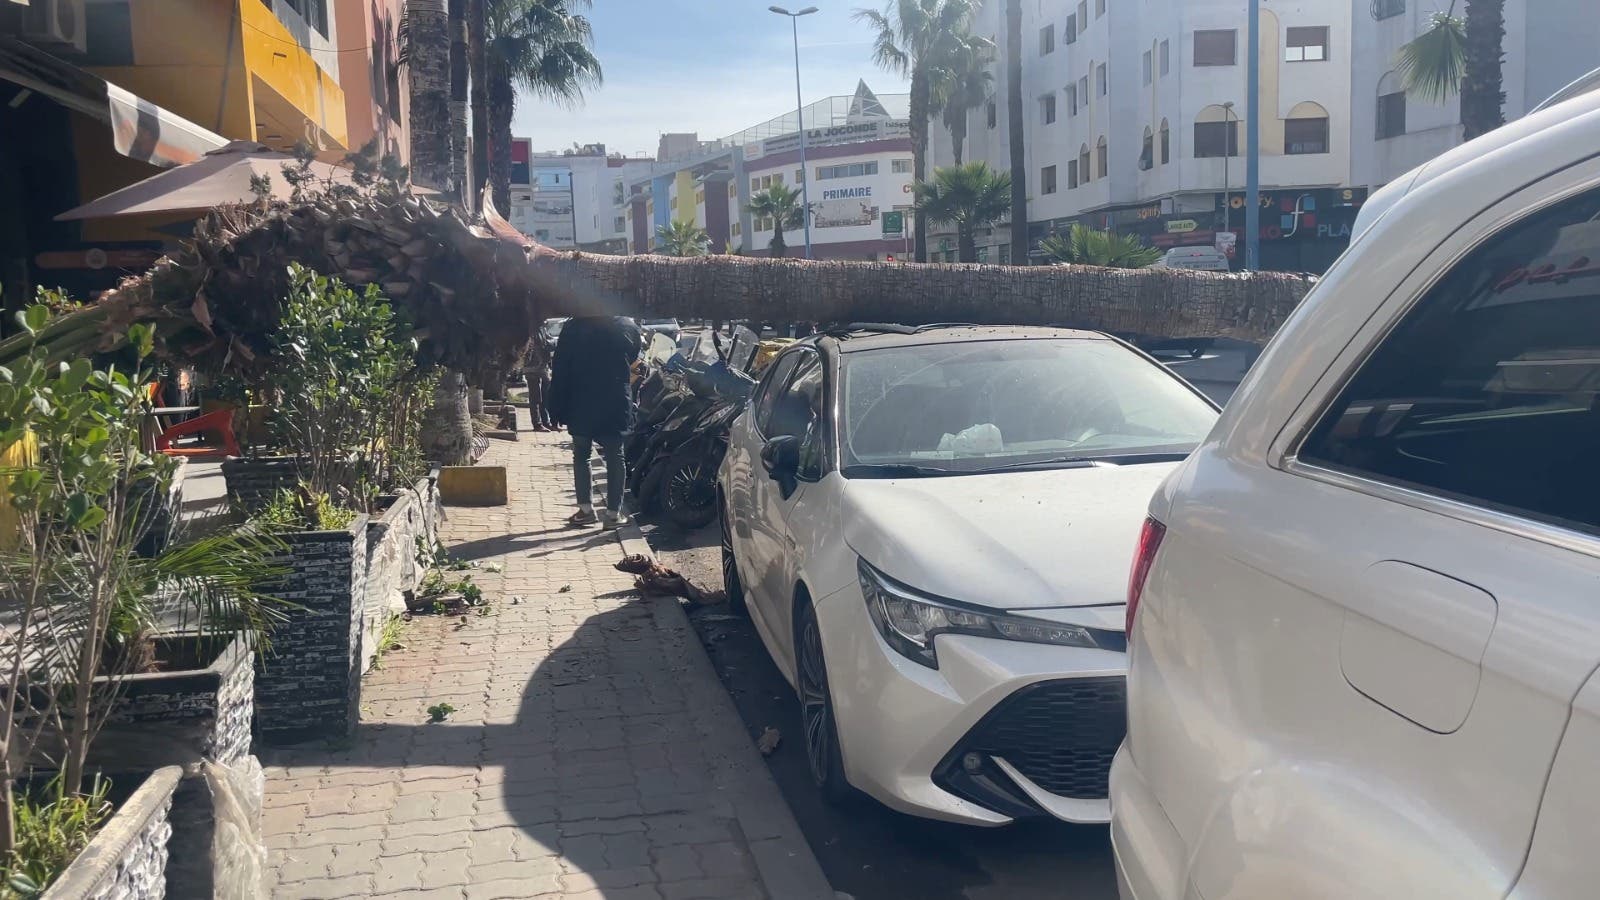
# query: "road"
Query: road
866,850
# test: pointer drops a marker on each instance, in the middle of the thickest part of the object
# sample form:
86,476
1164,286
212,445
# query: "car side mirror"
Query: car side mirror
780,456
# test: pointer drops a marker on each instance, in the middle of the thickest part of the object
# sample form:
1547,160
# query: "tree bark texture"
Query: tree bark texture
447,429
1019,158
502,105
1482,95
920,96
478,59
428,58
460,75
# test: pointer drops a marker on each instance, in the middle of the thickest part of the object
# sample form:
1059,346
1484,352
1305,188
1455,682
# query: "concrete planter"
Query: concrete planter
308,683
392,571
127,860
252,482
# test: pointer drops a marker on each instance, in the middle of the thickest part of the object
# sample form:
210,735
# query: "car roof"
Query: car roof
855,339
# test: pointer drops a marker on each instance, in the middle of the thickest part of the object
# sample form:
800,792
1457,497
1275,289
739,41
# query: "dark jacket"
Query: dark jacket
589,380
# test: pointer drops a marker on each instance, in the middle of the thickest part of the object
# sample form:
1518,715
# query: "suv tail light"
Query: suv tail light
1149,542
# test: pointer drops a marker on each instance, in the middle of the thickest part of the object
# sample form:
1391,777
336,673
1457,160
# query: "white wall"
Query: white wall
886,191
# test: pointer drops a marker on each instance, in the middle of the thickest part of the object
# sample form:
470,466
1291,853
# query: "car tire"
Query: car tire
732,587
818,728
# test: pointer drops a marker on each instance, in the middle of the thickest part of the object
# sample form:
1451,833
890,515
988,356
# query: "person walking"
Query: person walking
591,394
537,371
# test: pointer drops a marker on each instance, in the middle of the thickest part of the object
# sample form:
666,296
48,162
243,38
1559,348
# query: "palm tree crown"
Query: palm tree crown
781,204
539,46
682,238
1086,246
968,84
968,196
1465,56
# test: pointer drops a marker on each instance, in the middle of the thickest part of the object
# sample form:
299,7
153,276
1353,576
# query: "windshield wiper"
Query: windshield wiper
1115,459
896,470
1069,461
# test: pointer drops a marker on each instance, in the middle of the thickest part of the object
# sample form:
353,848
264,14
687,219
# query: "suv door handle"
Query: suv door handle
1413,642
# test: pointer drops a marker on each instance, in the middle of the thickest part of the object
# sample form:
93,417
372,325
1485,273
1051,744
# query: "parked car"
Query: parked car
668,327
1365,614
1203,258
931,531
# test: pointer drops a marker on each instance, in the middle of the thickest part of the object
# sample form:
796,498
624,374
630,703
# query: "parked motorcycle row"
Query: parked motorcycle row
688,397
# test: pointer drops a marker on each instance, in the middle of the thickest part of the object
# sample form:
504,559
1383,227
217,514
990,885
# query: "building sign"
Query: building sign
1314,214
894,224
843,213
855,193
1182,226
854,133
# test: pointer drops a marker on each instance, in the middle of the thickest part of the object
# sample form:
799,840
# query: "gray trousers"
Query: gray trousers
611,451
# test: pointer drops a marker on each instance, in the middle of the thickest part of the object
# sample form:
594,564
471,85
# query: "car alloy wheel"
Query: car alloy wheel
816,712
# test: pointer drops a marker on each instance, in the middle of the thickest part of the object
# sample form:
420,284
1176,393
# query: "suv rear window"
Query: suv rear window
1489,390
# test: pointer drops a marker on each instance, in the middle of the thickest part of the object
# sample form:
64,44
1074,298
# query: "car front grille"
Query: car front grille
1061,735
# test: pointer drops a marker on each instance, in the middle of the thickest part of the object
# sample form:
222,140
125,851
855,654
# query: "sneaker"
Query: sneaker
610,518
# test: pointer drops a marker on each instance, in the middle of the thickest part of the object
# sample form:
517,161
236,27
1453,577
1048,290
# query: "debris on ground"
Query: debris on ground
658,580
769,741
565,589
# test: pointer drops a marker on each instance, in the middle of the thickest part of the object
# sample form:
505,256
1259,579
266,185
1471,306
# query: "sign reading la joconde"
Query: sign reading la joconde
854,133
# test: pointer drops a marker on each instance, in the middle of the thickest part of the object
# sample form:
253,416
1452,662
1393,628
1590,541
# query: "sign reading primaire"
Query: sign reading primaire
854,133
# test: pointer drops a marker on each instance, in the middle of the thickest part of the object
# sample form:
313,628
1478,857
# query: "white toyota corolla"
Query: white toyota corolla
931,529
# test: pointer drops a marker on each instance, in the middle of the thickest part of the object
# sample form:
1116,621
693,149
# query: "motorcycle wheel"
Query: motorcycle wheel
688,489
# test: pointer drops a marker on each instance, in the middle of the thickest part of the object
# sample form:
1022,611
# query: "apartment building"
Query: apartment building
1135,115
572,199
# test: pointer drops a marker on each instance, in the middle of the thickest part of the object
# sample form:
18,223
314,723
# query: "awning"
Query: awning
140,129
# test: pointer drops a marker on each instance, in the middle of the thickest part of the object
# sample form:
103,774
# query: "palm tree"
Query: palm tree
969,196
544,48
782,205
1019,158
1461,55
478,66
460,72
424,46
1086,246
682,238
969,87
919,39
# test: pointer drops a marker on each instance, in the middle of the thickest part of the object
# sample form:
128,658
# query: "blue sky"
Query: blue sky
708,66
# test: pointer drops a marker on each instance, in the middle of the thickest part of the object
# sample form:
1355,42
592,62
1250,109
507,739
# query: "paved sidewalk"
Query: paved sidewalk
593,753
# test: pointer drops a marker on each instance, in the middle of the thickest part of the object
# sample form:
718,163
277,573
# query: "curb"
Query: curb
783,859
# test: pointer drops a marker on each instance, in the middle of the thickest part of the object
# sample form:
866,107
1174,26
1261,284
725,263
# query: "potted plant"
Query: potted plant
88,607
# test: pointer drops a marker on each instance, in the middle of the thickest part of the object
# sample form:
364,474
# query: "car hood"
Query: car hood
1013,540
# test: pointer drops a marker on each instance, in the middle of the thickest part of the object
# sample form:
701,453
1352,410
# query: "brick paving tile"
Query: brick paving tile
574,767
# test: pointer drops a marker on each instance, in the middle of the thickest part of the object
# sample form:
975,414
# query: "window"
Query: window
848,170
755,185
1215,48
772,388
1047,40
1166,58
766,182
1391,112
1083,14
1144,68
1100,79
1488,390
791,406
1083,89
735,229
1307,45
1072,99
314,12
989,113
620,224
1214,139
1047,109
1305,134
1102,159
1387,9
700,197
1084,174
1047,180
799,175
1072,174
1166,143
1147,151
733,190
900,167
777,178
1069,34
1099,8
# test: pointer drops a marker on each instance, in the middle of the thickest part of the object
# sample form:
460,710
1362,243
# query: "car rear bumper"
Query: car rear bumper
1148,850
986,738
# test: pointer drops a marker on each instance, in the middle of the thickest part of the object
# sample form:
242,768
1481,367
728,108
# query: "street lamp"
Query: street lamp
800,114
1252,159
1228,142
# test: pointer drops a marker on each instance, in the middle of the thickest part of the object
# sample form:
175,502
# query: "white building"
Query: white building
572,199
1134,115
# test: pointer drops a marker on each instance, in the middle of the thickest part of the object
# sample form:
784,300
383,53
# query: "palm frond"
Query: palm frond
971,194
1087,246
1433,64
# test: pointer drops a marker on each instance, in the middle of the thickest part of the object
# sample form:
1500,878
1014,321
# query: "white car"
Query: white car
931,530
1365,625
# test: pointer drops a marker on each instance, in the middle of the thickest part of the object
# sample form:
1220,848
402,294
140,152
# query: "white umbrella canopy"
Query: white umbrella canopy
220,176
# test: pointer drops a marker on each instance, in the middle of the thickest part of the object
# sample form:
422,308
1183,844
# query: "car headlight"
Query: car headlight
910,621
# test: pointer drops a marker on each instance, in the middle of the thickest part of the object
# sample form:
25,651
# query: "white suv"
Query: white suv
1365,614
931,530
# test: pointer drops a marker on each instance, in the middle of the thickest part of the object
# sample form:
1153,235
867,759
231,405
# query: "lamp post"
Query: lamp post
1252,160
1228,145
800,115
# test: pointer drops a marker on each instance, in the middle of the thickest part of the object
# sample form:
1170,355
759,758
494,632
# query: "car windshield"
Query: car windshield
971,407
658,321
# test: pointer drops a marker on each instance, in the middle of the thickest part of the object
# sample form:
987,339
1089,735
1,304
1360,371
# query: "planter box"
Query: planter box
392,570
308,683
127,860
252,482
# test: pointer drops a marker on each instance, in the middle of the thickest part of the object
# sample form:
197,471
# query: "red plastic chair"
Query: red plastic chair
216,426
